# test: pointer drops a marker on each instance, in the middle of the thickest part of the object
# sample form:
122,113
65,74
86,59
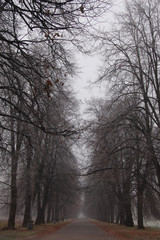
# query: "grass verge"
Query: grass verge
126,233
22,233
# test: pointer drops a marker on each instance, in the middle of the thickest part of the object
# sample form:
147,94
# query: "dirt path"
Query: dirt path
79,230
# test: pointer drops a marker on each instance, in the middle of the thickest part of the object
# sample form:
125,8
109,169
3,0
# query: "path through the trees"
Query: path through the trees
80,229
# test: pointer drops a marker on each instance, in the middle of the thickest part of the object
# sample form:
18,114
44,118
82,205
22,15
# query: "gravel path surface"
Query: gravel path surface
80,229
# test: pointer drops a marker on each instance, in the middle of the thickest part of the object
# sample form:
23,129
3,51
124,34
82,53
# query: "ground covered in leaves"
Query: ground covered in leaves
126,233
22,233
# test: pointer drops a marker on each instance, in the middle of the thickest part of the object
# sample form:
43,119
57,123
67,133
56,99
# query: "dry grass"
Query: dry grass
22,233
125,233
3,224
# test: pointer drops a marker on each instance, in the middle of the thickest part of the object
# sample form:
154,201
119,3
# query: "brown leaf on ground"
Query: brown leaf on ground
125,233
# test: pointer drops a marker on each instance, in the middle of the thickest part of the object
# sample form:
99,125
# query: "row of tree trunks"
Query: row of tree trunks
16,141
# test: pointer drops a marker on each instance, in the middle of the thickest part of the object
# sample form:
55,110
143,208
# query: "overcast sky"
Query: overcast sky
89,66
84,83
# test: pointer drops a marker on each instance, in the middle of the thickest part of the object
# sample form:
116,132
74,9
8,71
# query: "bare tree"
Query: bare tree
135,65
119,163
35,64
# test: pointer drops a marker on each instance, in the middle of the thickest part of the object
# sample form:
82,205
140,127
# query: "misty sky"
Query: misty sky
89,66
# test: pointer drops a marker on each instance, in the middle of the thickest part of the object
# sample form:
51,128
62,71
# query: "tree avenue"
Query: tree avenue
124,133
39,119
38,113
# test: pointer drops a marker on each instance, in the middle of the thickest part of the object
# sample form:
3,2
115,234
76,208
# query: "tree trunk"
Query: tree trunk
140,209
40,211
49,207
53,218
118,218
41,208
128,213
38,218
121,212
13,204
153,156
14,165
27,213
49,211
57,207
122,215
62,215
112,204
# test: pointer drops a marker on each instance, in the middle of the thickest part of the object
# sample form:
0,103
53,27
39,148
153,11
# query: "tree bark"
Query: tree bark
13,203
16,140
38,218
128,213
121,214
49,207
117,218
27,213
57,208
140,209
